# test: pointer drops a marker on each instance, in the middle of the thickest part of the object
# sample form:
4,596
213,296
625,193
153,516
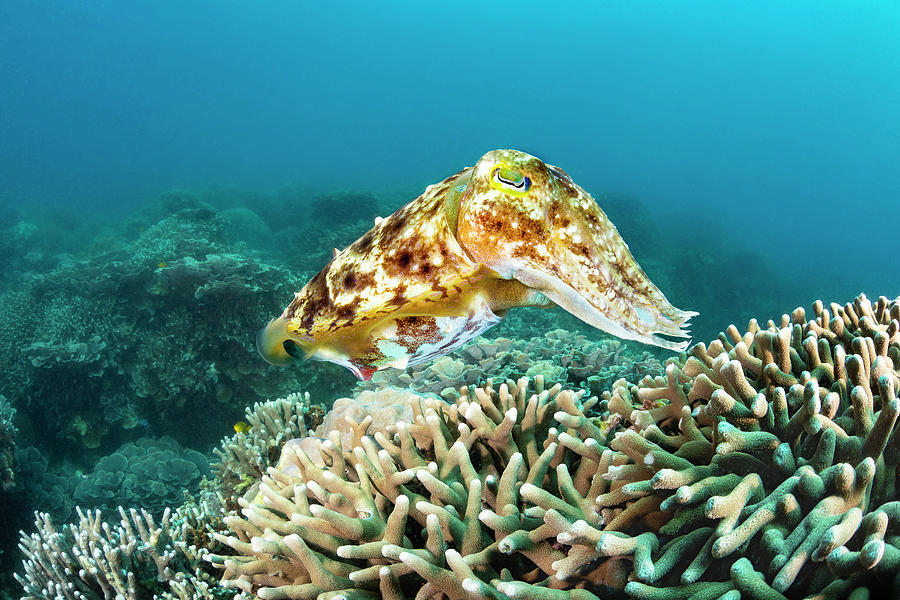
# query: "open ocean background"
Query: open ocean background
774,125
748,152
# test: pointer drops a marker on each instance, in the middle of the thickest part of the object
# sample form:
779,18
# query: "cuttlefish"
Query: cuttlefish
511,231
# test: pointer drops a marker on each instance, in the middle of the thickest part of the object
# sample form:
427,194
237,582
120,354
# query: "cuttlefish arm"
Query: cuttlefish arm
529,221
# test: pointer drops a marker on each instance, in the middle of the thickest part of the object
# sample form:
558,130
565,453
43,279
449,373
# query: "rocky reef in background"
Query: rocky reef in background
8,431
141,328
559,356
150,330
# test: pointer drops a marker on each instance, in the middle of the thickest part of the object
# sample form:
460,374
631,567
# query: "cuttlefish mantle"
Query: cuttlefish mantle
511,231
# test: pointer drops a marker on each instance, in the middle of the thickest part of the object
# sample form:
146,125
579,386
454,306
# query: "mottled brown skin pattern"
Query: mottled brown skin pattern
559,230
406,270
375,274
510,231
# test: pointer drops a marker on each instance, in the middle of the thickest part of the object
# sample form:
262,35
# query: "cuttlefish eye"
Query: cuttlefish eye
510,180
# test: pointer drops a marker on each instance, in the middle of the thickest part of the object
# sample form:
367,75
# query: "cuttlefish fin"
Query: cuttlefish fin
589,271
570,300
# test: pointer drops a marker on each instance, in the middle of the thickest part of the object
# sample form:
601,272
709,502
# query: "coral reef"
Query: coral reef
357,521
40,483
110,332
139,557
778,443
560,356
148,473
114,331
153,326
761,465
8,433
244,457
368,413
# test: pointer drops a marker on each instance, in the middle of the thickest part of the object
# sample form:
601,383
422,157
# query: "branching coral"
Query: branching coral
245,456
439,508
763,465
778,444
96,559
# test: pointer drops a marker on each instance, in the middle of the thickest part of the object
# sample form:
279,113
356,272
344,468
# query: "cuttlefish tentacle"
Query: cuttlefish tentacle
508,232
558,241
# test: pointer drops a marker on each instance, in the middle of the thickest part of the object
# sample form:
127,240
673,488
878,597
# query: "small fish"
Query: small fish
162,265
242,427
511,231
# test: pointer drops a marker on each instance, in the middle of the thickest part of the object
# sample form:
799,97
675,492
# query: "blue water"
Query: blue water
775,122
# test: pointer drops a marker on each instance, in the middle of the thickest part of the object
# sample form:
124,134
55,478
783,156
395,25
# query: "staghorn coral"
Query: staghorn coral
244,457
136,558
763,465
560,356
